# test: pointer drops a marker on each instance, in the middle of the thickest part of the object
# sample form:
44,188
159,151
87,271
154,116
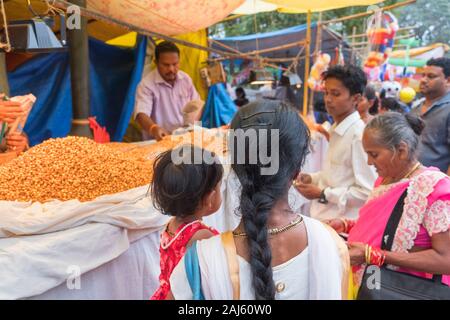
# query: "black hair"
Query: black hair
443,63
261,191
240,90
164,47
392,104
319,104
370,94
179,184
393,127
352,77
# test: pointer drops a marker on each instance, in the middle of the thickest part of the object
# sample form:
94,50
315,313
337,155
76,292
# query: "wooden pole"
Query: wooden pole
363,35
307,62
316,53
368,13
353,44
285,46
79,69
396,38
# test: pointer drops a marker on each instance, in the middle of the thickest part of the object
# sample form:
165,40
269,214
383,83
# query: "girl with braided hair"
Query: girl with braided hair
280,254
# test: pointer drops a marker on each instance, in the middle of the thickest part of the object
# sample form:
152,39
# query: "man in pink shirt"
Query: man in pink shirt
163,93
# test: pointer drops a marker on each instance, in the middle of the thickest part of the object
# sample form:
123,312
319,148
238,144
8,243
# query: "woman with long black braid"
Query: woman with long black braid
280,253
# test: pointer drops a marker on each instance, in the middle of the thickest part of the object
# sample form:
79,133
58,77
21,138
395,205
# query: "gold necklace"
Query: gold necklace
406,176
412,170
277,230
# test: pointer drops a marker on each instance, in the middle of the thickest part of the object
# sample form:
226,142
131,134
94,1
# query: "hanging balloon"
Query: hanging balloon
381,30
407,95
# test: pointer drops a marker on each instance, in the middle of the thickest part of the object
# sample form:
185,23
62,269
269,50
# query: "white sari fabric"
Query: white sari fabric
326,264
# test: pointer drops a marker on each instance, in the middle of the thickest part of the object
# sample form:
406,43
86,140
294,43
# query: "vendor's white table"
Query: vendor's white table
131,276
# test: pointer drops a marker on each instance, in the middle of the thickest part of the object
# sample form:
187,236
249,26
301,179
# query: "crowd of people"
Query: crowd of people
381,156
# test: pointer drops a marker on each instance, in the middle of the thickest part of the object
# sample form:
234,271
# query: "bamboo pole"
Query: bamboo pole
353,44
307,62
316,52
357,44
368,13
362,35
258,52
285,46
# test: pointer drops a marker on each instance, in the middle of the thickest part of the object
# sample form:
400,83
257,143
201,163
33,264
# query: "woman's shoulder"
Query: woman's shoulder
430,181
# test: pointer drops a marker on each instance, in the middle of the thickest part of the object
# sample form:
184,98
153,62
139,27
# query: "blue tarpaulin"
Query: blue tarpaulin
219,109
114,76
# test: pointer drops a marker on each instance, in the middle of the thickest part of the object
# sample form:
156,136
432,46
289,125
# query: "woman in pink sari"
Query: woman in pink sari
422,241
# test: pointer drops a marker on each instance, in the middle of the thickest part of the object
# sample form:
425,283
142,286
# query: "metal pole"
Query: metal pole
79,69
4,85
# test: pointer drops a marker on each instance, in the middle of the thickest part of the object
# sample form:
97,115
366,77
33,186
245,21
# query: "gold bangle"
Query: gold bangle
367,254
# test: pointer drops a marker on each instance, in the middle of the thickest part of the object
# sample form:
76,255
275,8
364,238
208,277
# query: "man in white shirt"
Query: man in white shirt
345,182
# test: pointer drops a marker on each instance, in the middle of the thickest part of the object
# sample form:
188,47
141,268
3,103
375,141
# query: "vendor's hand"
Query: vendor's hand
309,191
10,111
357,251
158,132
302,178
17,142
305,178
337,224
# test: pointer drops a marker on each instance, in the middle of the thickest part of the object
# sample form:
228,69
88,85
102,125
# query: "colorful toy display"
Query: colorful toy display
381,30
320,66
391,89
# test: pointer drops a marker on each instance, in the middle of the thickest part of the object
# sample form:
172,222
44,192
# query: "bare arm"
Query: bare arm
199,235
148,125
170,295
435,260
144,121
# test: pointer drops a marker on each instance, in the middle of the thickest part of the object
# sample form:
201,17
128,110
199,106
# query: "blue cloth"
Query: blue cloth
276,33
192,268
219,109
114,76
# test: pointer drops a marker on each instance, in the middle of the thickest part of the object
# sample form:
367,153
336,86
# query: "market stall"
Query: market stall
106,234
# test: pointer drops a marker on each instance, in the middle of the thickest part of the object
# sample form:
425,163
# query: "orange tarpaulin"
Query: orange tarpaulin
168,17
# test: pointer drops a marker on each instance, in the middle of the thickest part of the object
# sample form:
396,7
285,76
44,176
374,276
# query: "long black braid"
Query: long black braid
260,192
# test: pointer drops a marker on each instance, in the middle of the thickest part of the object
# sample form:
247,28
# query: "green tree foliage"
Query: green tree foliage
432,19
